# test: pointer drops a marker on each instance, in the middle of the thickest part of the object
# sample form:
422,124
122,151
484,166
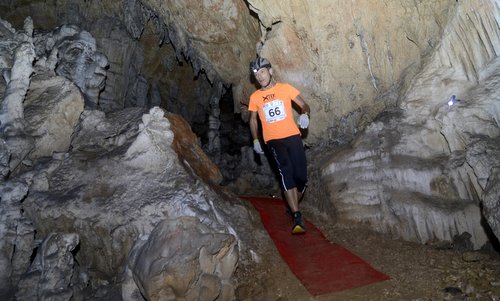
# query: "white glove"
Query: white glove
303,121
257,147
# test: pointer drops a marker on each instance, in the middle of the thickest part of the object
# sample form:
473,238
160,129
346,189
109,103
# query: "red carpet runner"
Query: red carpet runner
322,266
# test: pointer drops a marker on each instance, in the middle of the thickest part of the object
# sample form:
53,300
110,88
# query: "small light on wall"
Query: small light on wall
452,100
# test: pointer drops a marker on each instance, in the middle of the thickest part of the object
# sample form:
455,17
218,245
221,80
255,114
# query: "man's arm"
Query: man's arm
254,125
303,120
254,129
302,104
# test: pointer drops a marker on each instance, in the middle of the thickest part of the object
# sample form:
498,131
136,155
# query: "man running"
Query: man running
273,104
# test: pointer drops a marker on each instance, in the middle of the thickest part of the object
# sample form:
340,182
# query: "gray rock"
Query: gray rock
183,259
79,61
115,196
52,110
421,175
17,235
49,276
491,201
12,102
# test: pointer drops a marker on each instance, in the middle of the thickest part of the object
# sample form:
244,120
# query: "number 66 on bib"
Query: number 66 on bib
274,111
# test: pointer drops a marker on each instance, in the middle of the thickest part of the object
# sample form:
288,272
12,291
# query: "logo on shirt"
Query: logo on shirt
268,97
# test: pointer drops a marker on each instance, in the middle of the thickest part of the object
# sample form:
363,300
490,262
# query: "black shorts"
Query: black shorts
291,162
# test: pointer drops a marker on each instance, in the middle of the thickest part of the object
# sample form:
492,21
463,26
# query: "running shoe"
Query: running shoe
298,224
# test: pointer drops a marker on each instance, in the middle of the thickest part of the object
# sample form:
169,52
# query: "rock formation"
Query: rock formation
105,194
50,274
422,173
133,205
111,182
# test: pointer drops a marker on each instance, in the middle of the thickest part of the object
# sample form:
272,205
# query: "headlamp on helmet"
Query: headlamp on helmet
259,63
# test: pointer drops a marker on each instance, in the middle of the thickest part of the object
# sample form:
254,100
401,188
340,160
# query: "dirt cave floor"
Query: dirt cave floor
417,272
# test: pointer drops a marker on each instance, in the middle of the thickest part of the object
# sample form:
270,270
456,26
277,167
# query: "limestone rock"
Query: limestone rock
4,160
491,203
126,83
49,276
183,259
80,62
99,132
18,81
17,235
421,174
134,18
199,37
151,150
113,198
52,110
39,121
411,197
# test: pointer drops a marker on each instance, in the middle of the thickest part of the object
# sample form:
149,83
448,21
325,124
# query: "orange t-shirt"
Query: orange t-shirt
274,107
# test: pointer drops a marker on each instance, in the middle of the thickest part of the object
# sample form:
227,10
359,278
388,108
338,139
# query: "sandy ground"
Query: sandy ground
418,272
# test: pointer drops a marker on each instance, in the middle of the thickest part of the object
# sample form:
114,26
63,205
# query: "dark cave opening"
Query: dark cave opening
234,132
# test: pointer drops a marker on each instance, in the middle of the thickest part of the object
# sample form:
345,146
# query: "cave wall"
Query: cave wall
348,59
158,51
428,160
429,170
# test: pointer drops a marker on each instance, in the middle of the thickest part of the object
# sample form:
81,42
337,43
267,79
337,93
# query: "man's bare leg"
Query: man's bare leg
292,198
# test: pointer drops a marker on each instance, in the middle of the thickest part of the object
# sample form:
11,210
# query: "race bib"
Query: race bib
274,111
